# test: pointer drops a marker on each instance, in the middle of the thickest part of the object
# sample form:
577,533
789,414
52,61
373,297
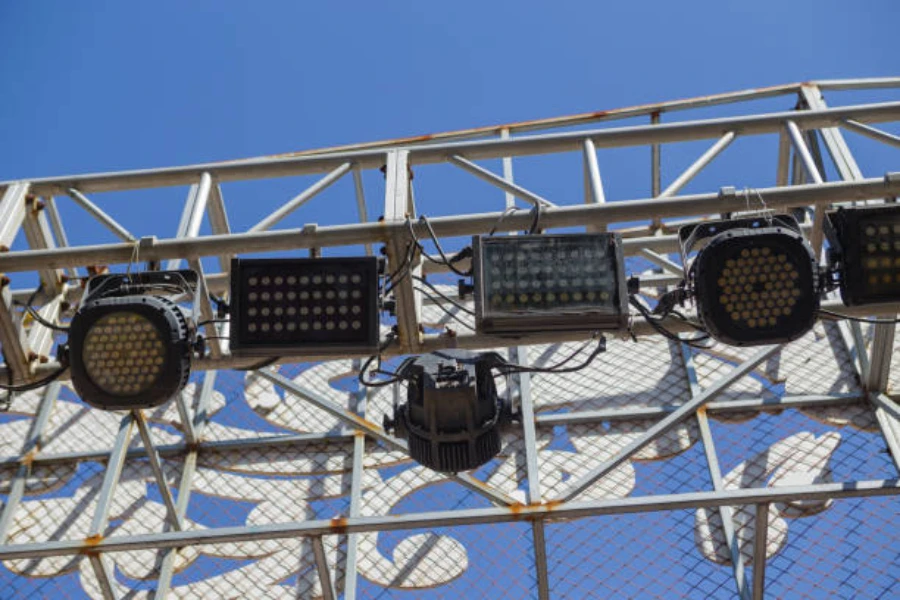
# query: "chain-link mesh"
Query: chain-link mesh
269,457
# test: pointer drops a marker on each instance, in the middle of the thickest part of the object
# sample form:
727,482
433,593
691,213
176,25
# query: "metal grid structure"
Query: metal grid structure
658,471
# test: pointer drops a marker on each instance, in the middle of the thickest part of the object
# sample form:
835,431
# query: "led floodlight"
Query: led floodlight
130,345
755,280
569,282
452,416
865,244
297,306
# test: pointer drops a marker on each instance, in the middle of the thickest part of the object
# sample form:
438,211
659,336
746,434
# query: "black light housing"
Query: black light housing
129,343
452,417
865,249
566,282
755,280
304,306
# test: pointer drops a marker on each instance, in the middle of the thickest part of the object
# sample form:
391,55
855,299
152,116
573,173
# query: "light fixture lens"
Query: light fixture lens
129,352
123,353
868,242
756,286
549,282
300,306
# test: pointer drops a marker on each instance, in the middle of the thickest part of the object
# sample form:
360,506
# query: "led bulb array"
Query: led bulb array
758,287
123,353
535,282
880,249
292,304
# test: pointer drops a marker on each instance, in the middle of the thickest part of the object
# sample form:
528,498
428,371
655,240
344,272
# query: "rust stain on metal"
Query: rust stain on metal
552,505
701,411
339,524
28,459
93,540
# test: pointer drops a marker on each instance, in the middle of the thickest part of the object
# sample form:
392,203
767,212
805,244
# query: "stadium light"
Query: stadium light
304,306
452,417
568,282
755,280
129,343
865,248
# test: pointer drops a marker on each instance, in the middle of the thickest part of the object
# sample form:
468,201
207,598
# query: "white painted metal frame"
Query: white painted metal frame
50,253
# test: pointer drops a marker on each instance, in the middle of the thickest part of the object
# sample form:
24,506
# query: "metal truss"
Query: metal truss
800,175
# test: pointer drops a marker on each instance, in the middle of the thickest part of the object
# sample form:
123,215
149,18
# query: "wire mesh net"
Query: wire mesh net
270,456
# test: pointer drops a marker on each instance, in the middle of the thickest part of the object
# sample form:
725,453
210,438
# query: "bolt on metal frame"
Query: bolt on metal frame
51,253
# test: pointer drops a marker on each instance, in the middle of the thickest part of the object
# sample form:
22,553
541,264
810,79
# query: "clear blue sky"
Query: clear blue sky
98,86
102,86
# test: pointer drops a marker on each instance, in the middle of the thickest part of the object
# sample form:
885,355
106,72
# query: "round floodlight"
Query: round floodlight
129,352
756,286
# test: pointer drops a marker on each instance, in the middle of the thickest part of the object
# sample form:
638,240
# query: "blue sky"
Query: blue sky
103,86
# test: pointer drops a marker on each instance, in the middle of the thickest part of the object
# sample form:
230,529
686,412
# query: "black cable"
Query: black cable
34,384
207,321
654,322
261,365
452,315
859,319
537,218
462,307
394,377
506,368
29,308
437,244
37,317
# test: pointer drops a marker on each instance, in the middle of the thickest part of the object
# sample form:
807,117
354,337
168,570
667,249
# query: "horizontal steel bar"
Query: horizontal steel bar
726,406
346,436
171,450
431,343
548,511
459,225
260,168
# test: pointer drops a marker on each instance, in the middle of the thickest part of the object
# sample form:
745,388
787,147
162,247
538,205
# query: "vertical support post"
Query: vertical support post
59,232
104,503
12,336
593,184
188,469
759,550
192,215
812,170
361,201
40,337
655,178
726,513
359,450
784,159
397,208
218,221
39,237
523,383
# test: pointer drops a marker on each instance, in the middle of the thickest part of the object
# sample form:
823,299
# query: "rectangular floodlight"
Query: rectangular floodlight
304,306
566,282
867,240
